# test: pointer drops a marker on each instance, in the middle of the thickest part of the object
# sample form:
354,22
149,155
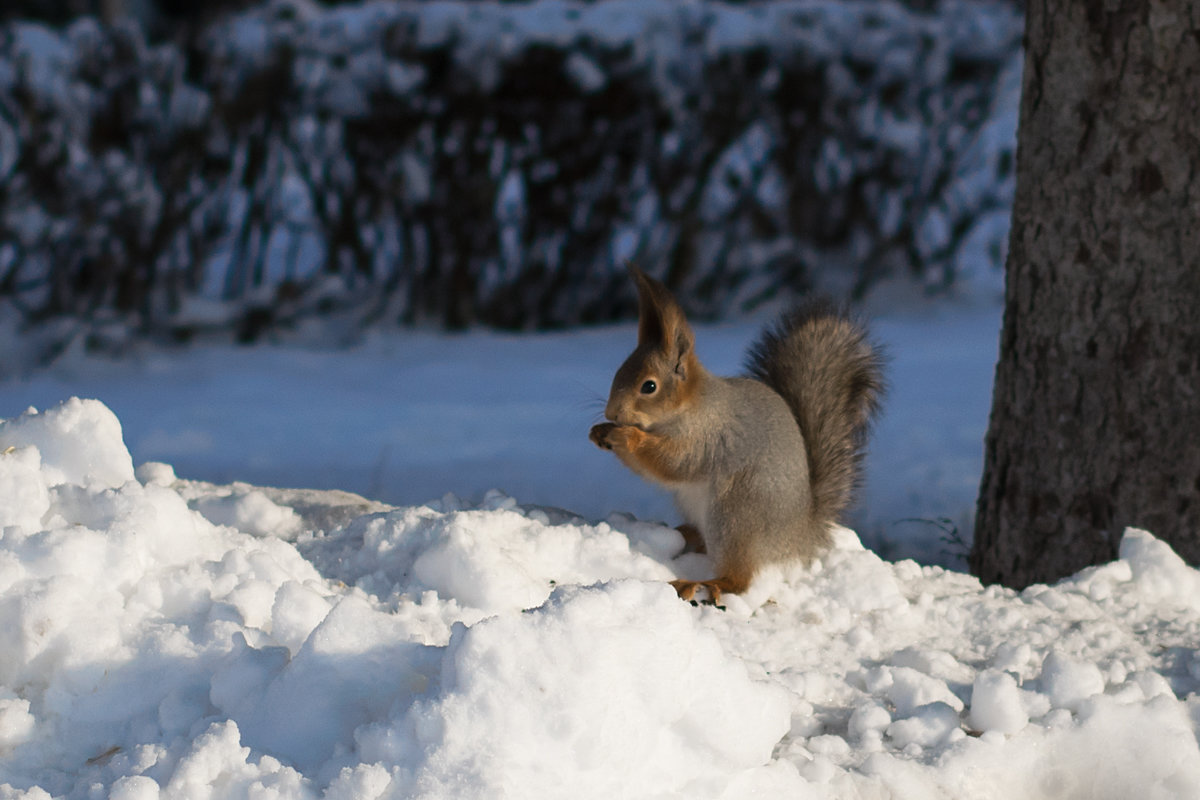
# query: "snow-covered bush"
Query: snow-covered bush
483,162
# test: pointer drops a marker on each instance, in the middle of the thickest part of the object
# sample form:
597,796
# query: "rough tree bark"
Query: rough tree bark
1095,420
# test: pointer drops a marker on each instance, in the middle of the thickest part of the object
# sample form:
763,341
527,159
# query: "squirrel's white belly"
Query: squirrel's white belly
693,501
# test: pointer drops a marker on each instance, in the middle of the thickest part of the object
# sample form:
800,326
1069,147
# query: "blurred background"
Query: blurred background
185,189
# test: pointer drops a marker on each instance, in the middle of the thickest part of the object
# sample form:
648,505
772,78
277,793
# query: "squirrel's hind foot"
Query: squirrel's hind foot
687,589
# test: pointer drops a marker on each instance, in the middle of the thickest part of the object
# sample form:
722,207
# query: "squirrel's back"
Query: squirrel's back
830,374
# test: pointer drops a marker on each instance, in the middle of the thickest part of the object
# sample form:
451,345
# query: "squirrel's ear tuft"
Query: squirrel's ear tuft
661,322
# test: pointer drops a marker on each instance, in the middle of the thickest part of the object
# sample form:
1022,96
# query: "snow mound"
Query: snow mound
636,694
509,651
1158,570
504,558
104,462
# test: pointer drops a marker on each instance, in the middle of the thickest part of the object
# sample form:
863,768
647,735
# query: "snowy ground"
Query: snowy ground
406,418
169,638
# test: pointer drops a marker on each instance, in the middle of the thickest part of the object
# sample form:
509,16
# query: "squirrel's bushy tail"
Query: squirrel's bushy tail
824,365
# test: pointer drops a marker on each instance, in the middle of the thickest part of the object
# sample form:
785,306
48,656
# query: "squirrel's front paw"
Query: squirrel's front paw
600,434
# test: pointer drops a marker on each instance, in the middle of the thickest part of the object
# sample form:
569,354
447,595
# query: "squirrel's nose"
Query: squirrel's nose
616,411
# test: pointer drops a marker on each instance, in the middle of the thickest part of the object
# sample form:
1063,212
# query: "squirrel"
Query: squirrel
760,466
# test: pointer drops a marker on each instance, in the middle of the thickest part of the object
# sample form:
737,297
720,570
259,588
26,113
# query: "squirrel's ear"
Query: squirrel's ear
661,322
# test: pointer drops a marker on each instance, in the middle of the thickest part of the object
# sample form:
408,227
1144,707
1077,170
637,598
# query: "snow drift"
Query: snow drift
508,651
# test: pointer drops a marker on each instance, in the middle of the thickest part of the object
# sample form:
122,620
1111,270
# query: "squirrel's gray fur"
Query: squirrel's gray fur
824,365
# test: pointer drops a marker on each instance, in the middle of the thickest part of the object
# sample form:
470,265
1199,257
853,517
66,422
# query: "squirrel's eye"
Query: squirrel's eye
649,387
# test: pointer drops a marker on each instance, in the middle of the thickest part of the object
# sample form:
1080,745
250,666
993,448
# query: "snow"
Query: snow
173,638
996,703
50,435
406,629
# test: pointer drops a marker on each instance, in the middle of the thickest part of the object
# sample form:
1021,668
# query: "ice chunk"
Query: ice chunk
1069,681
24,497
868,718
156,473
996,703
16,723
928,726
250,512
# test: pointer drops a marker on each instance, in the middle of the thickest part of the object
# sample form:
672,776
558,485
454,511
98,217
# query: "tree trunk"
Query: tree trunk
1095,420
